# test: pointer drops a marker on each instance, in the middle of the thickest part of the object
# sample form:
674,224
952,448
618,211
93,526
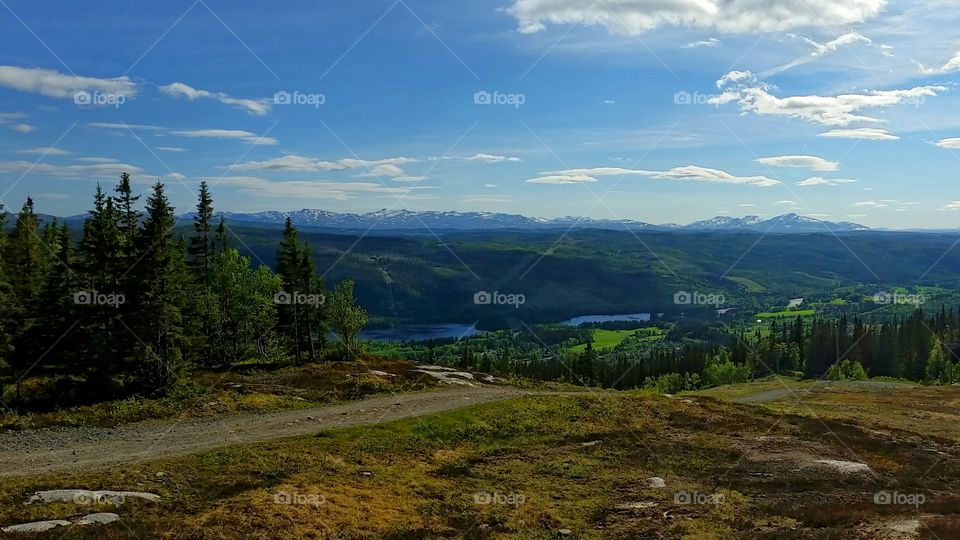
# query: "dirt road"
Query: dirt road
33,452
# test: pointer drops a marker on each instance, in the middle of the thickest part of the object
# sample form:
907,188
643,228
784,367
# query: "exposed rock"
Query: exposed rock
591,444
83,496
639,505
102,518
847,467
36,526
656,482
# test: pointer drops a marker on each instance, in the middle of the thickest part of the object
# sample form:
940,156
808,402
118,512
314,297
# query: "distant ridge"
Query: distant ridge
406,220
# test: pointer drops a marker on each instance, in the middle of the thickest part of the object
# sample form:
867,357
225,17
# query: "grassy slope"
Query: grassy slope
424,474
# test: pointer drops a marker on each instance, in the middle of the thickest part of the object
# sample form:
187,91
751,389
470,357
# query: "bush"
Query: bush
847,370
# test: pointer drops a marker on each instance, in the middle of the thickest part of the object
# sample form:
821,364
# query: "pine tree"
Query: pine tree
6,320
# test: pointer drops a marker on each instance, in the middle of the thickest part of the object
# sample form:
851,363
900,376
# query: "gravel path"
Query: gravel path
34,452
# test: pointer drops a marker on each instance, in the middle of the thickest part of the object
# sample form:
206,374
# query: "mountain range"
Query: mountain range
406,220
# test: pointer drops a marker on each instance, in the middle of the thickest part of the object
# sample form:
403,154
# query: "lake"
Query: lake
589,319
421,332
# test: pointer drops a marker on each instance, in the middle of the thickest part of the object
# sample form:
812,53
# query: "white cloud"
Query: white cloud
841,110
490,185
390,167
822,49
52,83
258,107
805,162
94,170
689,173
46,151
633,17
309,189
952,65
954,206
485,199
786,202
711,42
97,160
171,149
820,181
953,143
562,179
245,136
870,134
489,158
870,204
23,128
237,134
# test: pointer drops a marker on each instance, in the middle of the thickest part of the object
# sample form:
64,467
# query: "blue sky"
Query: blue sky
661,111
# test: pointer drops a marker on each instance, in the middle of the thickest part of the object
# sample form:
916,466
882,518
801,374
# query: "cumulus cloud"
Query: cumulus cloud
954,206
54,84
23,128
820,181
841,110
870,134
805,162
257,107
633,17
953,143
689,173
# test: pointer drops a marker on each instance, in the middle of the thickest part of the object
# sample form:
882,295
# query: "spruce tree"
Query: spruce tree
26,266
160,275
201,248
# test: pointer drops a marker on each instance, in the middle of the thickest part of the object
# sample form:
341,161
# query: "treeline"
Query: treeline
920,347
128,306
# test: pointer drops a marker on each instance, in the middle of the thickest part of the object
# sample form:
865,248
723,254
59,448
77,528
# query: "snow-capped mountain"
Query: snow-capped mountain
406,220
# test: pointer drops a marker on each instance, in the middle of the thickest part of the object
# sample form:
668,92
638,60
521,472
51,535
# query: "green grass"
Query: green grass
608,339
748,284
787,313
420,478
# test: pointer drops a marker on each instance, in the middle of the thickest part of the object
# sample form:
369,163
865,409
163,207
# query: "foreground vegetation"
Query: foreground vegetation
130,308
553,466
